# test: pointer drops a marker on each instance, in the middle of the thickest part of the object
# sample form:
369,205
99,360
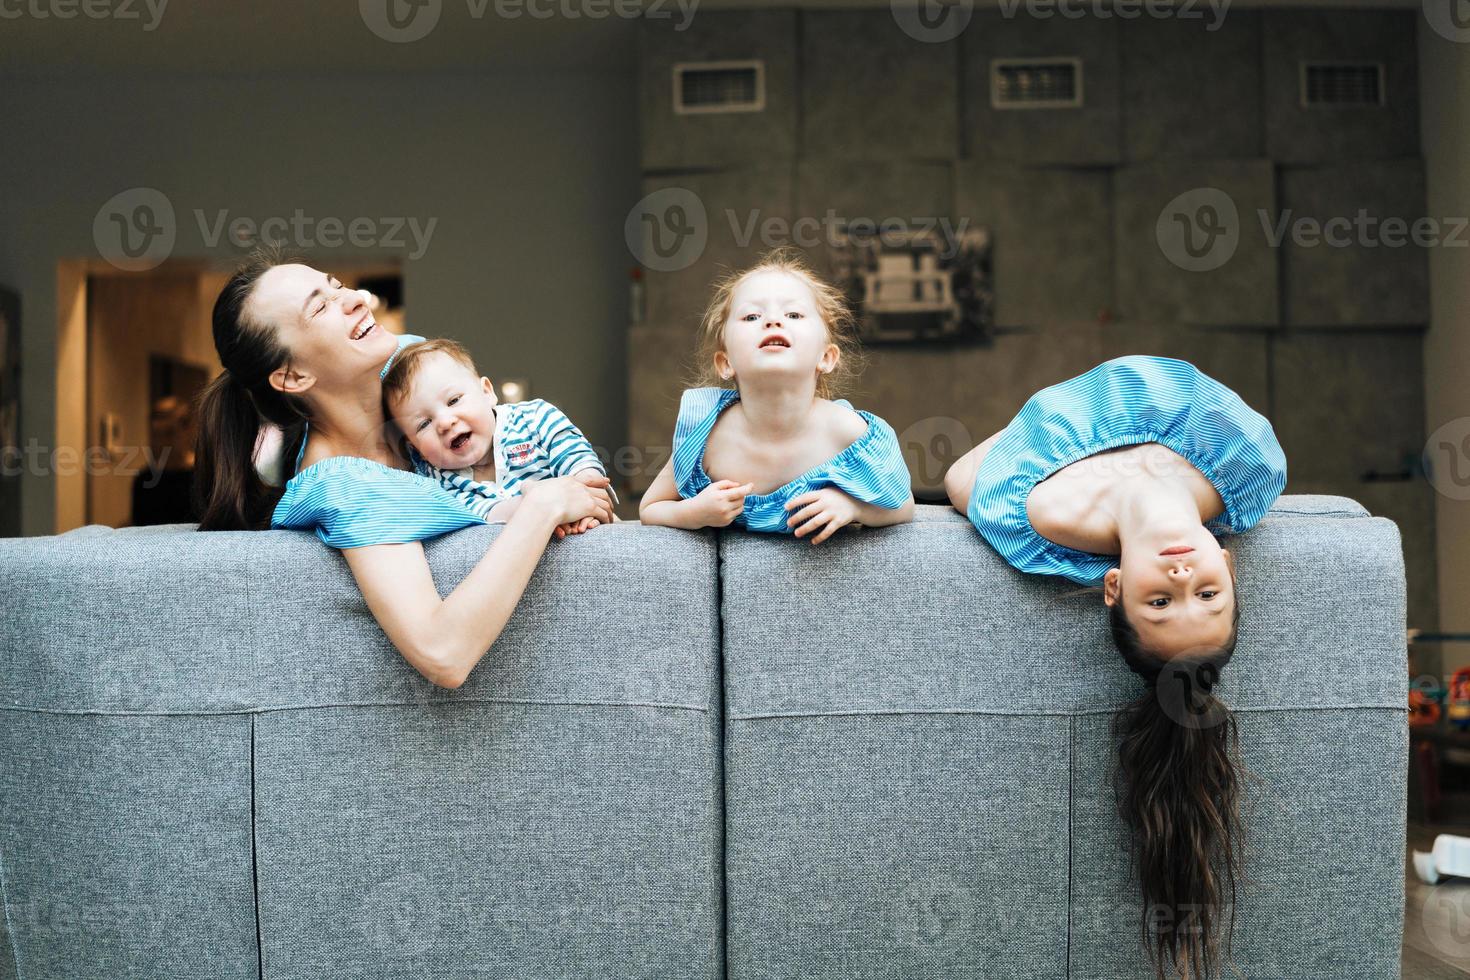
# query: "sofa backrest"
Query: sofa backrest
212,763
918,772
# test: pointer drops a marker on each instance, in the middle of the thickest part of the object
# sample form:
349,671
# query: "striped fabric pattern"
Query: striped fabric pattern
871,470
1123,402
534,440
351,502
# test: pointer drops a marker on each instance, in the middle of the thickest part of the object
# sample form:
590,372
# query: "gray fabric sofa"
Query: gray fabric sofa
690,755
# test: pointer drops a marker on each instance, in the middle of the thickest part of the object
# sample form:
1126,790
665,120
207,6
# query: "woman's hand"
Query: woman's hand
570,499
828,508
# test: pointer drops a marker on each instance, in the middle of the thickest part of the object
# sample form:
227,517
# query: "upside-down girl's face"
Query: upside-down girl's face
1179,595
774,332
328,328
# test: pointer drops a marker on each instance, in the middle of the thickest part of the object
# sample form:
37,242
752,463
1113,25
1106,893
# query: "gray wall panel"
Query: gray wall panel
1352,277
1241,288
725,139
871,92
1192,87
1298,135
1053,255
1088,135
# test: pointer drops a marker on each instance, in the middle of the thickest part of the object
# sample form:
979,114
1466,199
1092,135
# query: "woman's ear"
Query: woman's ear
1112,587
722,366
288,381
489,391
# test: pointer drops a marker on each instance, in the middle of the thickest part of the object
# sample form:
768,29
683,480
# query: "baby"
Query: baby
764,447
483,454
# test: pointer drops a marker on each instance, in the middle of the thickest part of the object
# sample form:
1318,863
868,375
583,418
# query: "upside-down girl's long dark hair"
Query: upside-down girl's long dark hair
1179,794
229,494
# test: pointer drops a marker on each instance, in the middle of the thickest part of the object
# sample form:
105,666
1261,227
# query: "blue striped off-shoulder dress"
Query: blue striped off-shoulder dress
1123,402
870,470
351,502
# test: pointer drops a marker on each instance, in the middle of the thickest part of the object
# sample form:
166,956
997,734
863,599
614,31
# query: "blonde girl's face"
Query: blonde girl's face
774,332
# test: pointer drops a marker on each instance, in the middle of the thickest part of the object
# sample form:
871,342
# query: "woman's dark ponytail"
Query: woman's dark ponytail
1179,794
229,494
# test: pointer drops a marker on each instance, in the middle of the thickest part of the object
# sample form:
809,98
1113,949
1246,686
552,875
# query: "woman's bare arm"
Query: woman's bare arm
443,639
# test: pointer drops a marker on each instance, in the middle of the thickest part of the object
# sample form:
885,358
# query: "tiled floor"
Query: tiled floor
1436,918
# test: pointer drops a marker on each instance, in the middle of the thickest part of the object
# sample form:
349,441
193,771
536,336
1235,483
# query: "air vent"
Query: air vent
719,86
1036,83
1334,85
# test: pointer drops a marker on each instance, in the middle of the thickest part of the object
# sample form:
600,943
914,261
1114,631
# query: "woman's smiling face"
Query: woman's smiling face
328,328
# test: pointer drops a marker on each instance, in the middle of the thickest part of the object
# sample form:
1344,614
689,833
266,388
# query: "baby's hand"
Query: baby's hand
827,508
721,502
576,527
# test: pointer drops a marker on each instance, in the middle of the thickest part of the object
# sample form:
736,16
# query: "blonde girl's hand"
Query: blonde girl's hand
827,509
721,502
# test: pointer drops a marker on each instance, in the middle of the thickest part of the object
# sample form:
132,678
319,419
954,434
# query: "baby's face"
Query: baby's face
448,414
775,330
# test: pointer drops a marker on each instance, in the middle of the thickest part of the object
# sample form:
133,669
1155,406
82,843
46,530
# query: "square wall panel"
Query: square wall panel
1237,359
1192,86
1348,405
672,140
1189,244
1295,134
1053,256
1362,266
1086,135
831,195
869,91
707,224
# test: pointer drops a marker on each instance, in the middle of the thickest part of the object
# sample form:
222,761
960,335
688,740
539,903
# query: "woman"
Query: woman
302,351
1119,478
